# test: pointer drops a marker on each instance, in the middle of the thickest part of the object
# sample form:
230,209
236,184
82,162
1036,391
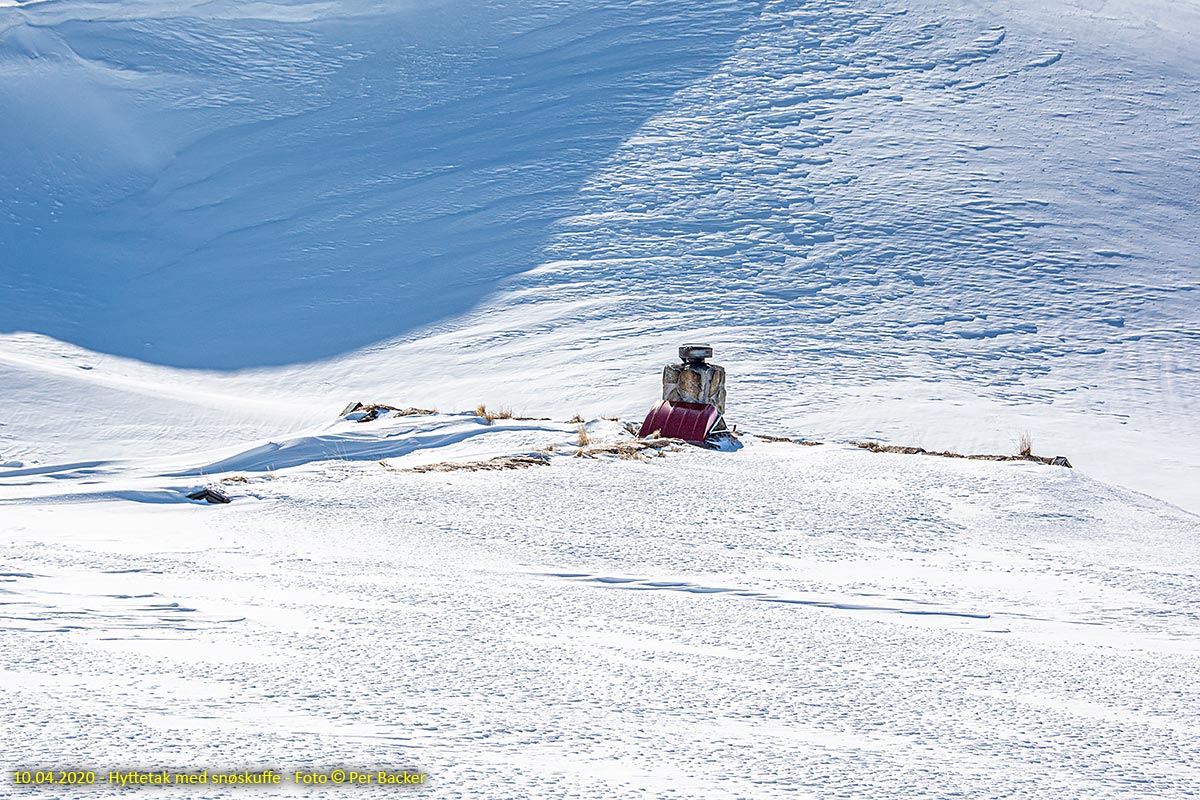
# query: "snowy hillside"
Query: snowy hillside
936,224
777,622
942,224
286,182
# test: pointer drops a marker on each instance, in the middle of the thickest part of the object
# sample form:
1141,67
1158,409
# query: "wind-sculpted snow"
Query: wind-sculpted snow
399,441
224,188
861,196
774,622
936,224
931,224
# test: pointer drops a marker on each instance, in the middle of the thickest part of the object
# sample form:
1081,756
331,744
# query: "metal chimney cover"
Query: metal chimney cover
695,353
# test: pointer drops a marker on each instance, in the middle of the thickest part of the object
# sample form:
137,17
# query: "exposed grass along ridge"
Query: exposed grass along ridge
876,447
372,411
789,440
490,465
631,450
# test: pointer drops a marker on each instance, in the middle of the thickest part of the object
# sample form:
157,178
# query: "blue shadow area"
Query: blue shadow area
238,192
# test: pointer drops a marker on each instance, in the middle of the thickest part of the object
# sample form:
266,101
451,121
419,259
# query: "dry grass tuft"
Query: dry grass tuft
235,479
584,439
576,418
503,413
1025,445
610,419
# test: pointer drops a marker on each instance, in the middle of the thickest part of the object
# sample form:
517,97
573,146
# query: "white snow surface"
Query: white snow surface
779,621
935,223
939,224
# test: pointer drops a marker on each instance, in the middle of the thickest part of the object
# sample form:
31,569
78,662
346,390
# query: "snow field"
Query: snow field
781,621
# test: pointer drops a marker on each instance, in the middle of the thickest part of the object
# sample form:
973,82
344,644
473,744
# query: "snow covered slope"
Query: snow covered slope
781,621
938,223
283,182
935,223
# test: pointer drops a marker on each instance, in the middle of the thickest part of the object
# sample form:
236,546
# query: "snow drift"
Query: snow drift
937,224
933,224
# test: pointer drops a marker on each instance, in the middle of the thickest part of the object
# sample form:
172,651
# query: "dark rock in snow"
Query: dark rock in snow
209,494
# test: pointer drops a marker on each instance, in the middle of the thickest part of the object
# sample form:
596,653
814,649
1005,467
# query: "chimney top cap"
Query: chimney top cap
695,353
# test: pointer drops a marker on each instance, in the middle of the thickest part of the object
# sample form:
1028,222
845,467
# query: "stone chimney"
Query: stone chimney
694,380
